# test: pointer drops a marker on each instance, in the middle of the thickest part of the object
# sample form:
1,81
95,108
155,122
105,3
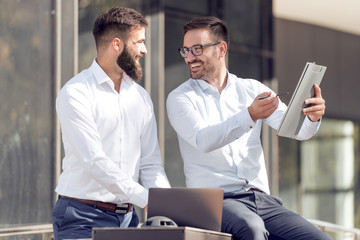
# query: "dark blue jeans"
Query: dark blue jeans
259,216
74,220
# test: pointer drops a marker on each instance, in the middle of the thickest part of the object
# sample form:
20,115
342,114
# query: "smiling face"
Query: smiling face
205,66
133,50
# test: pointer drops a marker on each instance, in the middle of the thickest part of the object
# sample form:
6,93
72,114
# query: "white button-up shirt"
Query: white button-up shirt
110,140
219,142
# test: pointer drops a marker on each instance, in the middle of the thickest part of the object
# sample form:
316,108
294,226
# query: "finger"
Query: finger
315,117
263,95
271,107
274,103
317,91
270,100
315,101
317,110
313,109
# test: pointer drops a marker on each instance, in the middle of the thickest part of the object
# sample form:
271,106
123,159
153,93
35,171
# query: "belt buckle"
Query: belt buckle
123,208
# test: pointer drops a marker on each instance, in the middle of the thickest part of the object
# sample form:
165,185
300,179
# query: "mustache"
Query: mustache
195,61
138,57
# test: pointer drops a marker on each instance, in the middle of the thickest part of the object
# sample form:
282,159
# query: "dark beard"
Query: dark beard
127,63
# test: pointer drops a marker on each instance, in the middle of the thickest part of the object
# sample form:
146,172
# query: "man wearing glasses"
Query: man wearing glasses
218,119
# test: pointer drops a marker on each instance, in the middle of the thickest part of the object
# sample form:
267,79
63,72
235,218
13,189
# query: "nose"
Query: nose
143,50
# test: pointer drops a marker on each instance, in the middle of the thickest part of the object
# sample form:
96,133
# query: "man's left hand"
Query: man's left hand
316,108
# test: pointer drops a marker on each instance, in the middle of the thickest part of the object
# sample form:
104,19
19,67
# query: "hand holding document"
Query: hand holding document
305,90
315,107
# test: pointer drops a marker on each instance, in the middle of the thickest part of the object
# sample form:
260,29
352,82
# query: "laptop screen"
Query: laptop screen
193,207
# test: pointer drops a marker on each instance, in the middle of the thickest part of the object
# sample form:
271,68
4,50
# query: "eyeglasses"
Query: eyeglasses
196,50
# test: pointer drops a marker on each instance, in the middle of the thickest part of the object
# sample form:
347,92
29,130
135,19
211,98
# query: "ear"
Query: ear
117,44
223,48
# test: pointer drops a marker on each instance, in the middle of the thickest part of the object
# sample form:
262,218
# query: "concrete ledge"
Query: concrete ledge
334,228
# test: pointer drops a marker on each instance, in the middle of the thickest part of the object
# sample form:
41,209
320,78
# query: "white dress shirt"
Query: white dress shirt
219,142
110,140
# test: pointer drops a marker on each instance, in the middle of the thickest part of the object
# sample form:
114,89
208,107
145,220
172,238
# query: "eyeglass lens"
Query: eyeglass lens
196,51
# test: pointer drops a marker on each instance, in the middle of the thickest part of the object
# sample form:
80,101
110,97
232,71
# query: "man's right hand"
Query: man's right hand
263,108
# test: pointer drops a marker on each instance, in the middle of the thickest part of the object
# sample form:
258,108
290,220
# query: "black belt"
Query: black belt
117,208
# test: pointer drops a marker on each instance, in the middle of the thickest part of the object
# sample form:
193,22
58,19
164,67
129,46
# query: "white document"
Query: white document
293,118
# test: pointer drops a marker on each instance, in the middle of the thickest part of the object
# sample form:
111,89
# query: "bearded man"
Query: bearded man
109,134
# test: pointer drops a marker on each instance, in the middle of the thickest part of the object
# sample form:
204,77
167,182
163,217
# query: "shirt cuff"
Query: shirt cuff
244,120
311,124
308,129
140,196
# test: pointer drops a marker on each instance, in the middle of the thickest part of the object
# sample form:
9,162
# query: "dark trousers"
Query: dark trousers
259,216
75,220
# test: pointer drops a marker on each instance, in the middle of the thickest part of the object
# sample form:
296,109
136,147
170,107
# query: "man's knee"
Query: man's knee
255,230
251,229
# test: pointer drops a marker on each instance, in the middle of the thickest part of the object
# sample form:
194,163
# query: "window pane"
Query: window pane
328,171
245,65
26,112
289,173
320,174
243,19
176,72
198,6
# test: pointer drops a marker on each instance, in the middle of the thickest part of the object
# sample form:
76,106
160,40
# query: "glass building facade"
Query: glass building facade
44,43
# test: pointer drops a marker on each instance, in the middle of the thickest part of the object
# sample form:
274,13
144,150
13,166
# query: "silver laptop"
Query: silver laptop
193,207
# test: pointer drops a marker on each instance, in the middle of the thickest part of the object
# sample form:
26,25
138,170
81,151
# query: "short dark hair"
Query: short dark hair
215,26
116,22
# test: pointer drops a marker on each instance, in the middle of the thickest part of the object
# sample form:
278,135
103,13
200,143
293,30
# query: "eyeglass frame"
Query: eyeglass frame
190,49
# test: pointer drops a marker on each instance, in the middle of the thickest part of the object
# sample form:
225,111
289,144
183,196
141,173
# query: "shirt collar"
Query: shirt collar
99,73
204,85
101,77
126,82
